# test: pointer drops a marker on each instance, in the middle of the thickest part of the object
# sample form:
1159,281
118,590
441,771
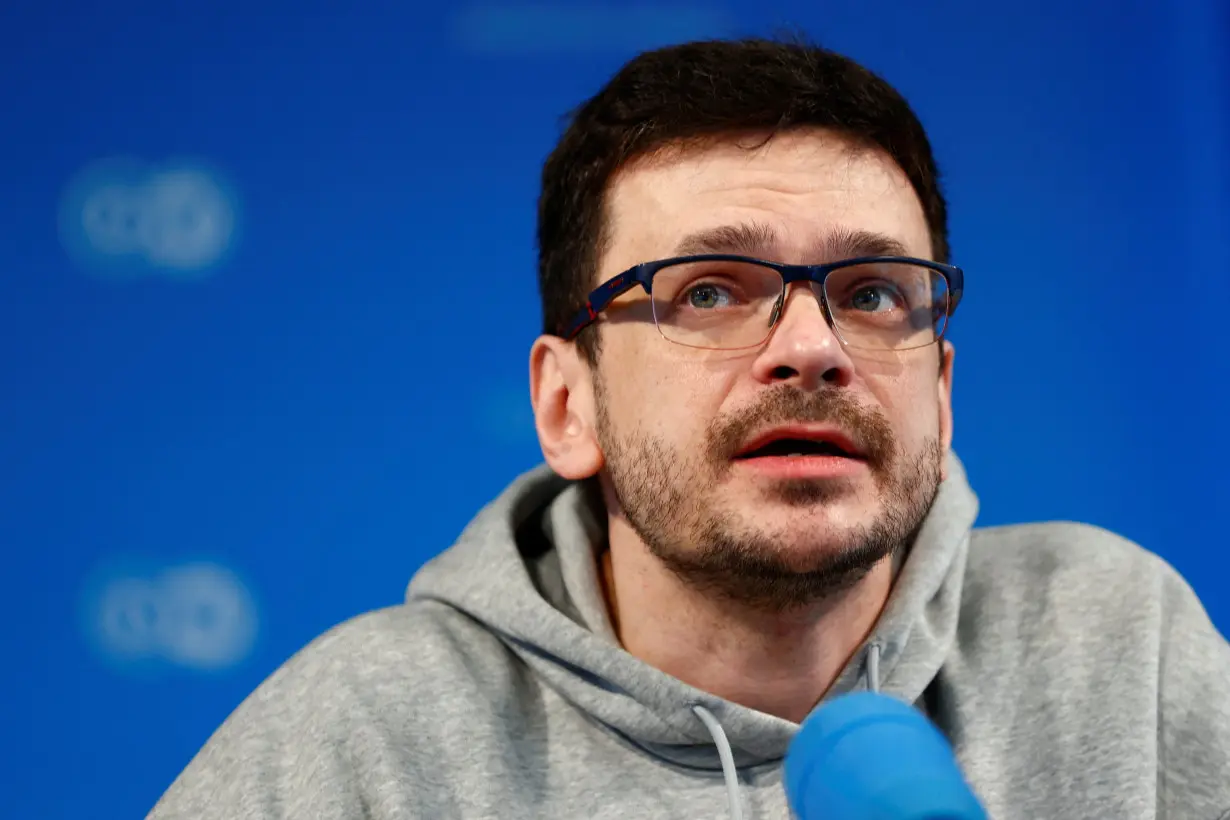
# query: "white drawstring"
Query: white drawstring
727,757
873,667
871,672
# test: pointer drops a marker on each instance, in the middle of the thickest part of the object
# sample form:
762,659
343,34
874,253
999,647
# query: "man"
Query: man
749,505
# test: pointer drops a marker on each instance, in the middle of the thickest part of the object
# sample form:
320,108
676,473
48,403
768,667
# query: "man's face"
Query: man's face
670,419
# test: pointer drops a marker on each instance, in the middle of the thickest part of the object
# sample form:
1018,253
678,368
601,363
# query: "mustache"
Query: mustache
870,430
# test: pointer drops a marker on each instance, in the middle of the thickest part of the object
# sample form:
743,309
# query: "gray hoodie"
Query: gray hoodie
1076,674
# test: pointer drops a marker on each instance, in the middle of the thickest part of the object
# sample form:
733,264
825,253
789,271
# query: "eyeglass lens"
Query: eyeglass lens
731,304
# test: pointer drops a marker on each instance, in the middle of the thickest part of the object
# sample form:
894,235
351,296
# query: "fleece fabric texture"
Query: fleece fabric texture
1075,673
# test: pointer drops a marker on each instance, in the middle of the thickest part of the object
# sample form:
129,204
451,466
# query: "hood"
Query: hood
525,568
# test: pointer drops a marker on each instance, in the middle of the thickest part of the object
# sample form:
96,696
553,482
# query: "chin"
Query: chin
811,556
837,502
815,529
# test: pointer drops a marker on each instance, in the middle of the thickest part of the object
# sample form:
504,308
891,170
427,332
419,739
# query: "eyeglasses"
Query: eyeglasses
728,302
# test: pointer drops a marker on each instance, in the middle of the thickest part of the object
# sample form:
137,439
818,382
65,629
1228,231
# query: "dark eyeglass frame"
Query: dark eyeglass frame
600,298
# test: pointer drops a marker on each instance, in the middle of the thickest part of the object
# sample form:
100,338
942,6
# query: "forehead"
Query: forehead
798,197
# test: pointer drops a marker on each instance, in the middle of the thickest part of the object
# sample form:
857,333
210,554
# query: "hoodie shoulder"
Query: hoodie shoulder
410,650
292,747
1069,593
1059,556
1101,638
1078,600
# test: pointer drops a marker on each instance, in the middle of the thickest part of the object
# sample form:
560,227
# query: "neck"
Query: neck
777,663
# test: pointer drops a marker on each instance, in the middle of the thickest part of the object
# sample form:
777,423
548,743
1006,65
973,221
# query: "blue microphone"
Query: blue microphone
866,756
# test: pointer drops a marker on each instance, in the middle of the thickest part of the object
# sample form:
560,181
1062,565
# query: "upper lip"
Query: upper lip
805,432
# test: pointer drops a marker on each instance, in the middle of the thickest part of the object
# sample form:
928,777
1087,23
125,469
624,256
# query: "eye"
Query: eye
708,295
876,297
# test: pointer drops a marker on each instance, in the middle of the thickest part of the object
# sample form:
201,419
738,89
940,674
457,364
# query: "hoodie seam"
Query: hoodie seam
1163,783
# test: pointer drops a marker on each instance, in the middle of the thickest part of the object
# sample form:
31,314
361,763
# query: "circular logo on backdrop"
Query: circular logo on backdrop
130,218
197,616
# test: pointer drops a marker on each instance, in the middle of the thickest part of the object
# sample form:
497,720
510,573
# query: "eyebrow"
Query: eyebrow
760,240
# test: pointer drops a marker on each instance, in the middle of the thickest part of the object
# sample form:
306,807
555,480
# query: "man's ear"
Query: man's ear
944,394
562,393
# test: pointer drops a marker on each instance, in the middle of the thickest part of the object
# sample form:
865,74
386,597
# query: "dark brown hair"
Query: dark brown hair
698,91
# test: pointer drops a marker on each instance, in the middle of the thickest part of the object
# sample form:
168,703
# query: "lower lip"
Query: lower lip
804,466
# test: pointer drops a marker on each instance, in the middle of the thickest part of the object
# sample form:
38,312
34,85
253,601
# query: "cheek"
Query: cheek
676,407
910,401
670,392
638,389
669,402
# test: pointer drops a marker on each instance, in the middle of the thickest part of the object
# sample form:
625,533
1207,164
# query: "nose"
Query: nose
802,349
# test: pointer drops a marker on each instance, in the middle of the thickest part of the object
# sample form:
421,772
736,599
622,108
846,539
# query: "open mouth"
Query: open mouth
796,447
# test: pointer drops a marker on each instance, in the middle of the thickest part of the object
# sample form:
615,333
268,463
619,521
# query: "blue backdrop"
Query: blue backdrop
237,407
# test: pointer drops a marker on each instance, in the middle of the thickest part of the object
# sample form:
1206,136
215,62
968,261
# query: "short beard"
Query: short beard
661,493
